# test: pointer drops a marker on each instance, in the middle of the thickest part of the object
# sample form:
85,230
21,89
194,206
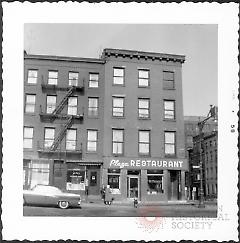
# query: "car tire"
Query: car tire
23,201
63,204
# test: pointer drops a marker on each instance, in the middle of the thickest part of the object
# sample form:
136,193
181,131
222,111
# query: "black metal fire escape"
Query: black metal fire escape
61,134
60,106
56,114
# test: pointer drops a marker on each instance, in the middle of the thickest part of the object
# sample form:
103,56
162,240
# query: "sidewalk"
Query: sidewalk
96,200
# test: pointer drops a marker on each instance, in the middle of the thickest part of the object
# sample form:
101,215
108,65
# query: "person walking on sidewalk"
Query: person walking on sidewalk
103,192
86,189
108,196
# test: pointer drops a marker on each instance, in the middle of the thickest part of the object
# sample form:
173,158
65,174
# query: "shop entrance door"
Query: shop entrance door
174,185
133,187
93,176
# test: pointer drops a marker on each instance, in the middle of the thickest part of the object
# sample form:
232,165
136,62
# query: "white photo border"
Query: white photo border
15,226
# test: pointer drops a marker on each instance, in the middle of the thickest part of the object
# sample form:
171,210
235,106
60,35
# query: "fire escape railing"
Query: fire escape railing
60,106
56,114
61,134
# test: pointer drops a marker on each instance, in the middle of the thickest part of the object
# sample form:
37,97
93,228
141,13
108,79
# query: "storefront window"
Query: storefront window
39,174
114,180
75,177
26,172
155,181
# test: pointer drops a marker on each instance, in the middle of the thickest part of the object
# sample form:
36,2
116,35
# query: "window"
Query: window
114,180
210,143
40,174
211,156
53,77
169,143
28,137
118,76
49,134
144,142
211,173
168,80
143,78
72,106
206,157
117,141
75,176
30,103
92,140
118,107
155,182
73,78
93,80
32,76
93,178
92,106
51,103
143,108
169,109
189,140
71,139
26,173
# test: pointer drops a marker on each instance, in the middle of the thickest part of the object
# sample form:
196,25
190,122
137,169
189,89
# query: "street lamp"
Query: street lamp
213,113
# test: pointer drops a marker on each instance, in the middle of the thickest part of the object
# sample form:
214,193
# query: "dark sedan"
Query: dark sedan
50,196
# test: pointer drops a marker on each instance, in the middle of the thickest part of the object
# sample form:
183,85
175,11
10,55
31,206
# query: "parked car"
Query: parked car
50,196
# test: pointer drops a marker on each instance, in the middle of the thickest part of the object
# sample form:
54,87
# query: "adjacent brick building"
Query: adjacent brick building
116,120
209,159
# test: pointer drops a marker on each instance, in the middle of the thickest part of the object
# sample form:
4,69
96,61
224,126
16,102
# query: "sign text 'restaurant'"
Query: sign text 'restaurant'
147,163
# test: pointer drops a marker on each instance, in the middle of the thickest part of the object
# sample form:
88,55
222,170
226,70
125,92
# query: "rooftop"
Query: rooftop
107,52
142,54
62,58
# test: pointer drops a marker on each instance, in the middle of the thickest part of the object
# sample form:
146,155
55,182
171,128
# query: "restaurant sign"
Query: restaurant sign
136,163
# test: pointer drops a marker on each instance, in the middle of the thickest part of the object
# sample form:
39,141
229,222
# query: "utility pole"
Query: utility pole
213,113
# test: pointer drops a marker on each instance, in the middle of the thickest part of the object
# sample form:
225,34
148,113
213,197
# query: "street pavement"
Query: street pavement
99,209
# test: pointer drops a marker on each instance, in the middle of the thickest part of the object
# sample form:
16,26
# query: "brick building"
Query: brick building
209,159
191,130
116,120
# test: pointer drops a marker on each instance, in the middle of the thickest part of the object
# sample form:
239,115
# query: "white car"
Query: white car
50,196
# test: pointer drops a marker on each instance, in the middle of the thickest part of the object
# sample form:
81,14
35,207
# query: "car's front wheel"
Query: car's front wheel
63,204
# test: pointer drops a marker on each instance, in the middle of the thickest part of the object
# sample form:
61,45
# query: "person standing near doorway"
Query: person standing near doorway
86,188
108,196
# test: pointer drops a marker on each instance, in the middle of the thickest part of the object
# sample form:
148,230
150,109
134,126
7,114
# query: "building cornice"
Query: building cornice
108,52
62,58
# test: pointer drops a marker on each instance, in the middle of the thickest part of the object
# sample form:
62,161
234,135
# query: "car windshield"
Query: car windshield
46,189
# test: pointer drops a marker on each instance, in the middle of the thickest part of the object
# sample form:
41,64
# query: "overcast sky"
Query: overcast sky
197,42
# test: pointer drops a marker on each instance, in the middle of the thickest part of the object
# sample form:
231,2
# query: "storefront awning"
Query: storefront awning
89,163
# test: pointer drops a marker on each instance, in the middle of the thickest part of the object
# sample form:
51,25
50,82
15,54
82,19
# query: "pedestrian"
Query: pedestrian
135,200
108,197
86,189
103,192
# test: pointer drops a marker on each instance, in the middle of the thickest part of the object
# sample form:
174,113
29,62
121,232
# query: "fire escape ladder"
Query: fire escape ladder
63,101
61,134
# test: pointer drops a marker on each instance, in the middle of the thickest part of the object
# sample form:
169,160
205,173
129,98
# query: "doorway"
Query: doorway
174,185
93,176
133,187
